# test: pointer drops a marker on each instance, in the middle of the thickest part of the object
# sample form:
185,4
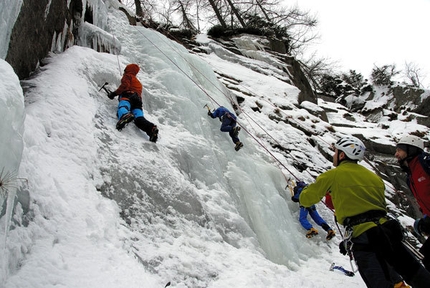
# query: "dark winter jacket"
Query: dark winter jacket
222,112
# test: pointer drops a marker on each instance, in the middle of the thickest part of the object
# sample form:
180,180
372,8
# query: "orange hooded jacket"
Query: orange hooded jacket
129,81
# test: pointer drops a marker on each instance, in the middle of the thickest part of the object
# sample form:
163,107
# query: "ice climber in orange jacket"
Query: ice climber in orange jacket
130,103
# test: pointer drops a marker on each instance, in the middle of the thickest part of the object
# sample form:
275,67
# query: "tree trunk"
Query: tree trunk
236,12
218,13
139,11
186,21
263,11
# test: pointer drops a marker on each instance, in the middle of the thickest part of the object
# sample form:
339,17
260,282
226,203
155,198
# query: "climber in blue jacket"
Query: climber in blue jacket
229,124
312,211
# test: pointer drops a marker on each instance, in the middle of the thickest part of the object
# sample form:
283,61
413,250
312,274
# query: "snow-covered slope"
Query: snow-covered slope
111,209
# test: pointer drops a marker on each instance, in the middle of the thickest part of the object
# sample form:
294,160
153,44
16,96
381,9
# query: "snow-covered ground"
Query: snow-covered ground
102,208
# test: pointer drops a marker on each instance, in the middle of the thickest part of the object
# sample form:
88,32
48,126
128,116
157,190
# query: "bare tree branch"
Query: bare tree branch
413,74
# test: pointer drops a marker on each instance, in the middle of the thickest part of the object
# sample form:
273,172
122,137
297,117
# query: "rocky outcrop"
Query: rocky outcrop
424,109
45,26
300,81
35,30
407,97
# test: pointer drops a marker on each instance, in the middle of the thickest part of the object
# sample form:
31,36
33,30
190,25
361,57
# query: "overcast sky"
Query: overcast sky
361,34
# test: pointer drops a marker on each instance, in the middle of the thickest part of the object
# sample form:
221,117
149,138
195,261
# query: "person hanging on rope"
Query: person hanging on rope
371,238
312,211
130,103
416,163
229,124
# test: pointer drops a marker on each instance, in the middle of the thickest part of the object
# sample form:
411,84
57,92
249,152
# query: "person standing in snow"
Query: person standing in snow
312,211
371,238
416,163
130,103
229,123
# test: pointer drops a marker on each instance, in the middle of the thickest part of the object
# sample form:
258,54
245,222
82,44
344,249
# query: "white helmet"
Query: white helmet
412,140
352,147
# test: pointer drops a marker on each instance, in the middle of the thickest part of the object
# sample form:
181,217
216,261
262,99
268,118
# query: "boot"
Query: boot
125,119
330,234
238,145
154,134
236,131
401,285
311,233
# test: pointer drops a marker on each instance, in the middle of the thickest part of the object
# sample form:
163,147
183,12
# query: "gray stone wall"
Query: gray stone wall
32,36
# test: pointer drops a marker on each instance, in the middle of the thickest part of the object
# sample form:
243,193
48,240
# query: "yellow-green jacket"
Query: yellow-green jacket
354,190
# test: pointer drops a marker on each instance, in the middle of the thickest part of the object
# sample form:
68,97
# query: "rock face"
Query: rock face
407,96
424,109
300,81
38,24
45,26
412,98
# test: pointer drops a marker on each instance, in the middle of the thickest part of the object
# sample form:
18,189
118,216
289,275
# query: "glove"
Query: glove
422,226
111,95
209,113
294,199
301,184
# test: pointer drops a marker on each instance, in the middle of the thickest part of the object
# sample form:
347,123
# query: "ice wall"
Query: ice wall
11,124
9,10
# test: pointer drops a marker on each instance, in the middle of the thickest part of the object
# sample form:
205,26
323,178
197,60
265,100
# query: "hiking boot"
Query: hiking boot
236,130
125,119
330,234
238,146
154,134
311,233
401,285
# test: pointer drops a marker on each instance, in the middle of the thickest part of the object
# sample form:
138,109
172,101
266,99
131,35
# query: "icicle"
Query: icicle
7,194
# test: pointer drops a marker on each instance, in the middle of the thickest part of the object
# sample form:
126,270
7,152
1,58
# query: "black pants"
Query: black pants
379,249
144,125
135,106
425,250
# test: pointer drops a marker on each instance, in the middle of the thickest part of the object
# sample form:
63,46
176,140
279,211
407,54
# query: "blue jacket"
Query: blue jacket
221,112
298,190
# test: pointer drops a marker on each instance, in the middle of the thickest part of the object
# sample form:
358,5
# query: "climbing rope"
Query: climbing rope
117,54
280,163
213,100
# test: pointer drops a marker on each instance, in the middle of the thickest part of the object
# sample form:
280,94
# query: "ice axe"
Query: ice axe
207,106
340,268
104,88
209,109
290,185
